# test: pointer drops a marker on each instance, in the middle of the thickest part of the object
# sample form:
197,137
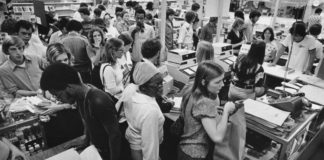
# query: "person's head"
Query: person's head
107,19
195,7
148,18
213,20
75,26
140,15
129,4
147,76
205,51
96,37
118,9
97,12
121,2
254,16
126,16
190,17
83,5
238,24
62,24
100,23
102,7
239,14
127,39
298,31
256,53
62,87
315,29
84,12
149,6
9,151
135,5
268,34
208,81
14,47
151,50
170,14
318,10
114,49
56,52
120,15
24,30
7,26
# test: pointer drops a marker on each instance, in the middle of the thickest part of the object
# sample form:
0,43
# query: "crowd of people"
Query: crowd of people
107,67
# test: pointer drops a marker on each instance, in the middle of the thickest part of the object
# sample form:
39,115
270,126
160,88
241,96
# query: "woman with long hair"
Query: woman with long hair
96,39
271,47
202,123
111,73
248,74
205,51
235,36
56,52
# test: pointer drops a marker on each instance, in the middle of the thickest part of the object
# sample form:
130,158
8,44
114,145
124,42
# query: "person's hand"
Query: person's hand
271,64
308,72
229,108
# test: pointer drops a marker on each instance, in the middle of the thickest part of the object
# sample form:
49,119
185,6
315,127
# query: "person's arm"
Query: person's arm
259,82
152,34
279,54
42,62
216,131
105,111
312,56
24,93
93,54
150,136
110,81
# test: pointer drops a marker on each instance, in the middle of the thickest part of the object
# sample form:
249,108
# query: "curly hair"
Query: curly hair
90,36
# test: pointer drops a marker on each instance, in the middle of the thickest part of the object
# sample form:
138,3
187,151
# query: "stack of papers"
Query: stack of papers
177,104
90,153
265,112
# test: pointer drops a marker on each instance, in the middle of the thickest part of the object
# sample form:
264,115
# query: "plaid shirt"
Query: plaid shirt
314,19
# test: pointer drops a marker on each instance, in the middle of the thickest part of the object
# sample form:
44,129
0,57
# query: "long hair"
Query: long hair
205,51
206,72
90,36
250,62
111,45
56,49
271,32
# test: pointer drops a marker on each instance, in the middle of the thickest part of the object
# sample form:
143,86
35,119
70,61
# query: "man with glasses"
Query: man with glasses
21,73
140,32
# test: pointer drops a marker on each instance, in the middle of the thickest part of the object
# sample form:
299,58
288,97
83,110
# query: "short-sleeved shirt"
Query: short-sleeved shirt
22,77
300,52
314,19
140,38
78,45
270,47
234,38
185,34
195,141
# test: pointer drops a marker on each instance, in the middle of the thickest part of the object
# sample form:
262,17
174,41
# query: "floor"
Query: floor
319,153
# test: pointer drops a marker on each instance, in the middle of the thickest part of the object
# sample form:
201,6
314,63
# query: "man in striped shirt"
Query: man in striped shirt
315,18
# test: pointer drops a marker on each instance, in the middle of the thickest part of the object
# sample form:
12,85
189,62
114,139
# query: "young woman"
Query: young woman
235,36
111,73
185,39
122,25
97,41
271,47
112,32
126,60
56,52
202,123
144,117
205,51
248,74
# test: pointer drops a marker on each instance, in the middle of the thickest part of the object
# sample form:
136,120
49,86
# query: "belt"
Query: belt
244,86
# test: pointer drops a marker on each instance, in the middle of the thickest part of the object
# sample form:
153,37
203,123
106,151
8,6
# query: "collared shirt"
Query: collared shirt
169,35
145,125
207,32
139,39
22,77
78,46
35,49
300,52
249,31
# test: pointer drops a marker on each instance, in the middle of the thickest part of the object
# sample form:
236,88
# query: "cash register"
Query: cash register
222,49
182,65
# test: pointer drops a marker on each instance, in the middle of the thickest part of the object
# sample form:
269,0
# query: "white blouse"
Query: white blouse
112,79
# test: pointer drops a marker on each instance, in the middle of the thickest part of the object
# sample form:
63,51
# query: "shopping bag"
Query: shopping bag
232,148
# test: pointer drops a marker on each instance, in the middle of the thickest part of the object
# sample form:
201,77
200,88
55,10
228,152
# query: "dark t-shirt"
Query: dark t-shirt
100,116
234,38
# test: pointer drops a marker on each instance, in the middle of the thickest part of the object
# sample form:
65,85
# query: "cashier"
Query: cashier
303,49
